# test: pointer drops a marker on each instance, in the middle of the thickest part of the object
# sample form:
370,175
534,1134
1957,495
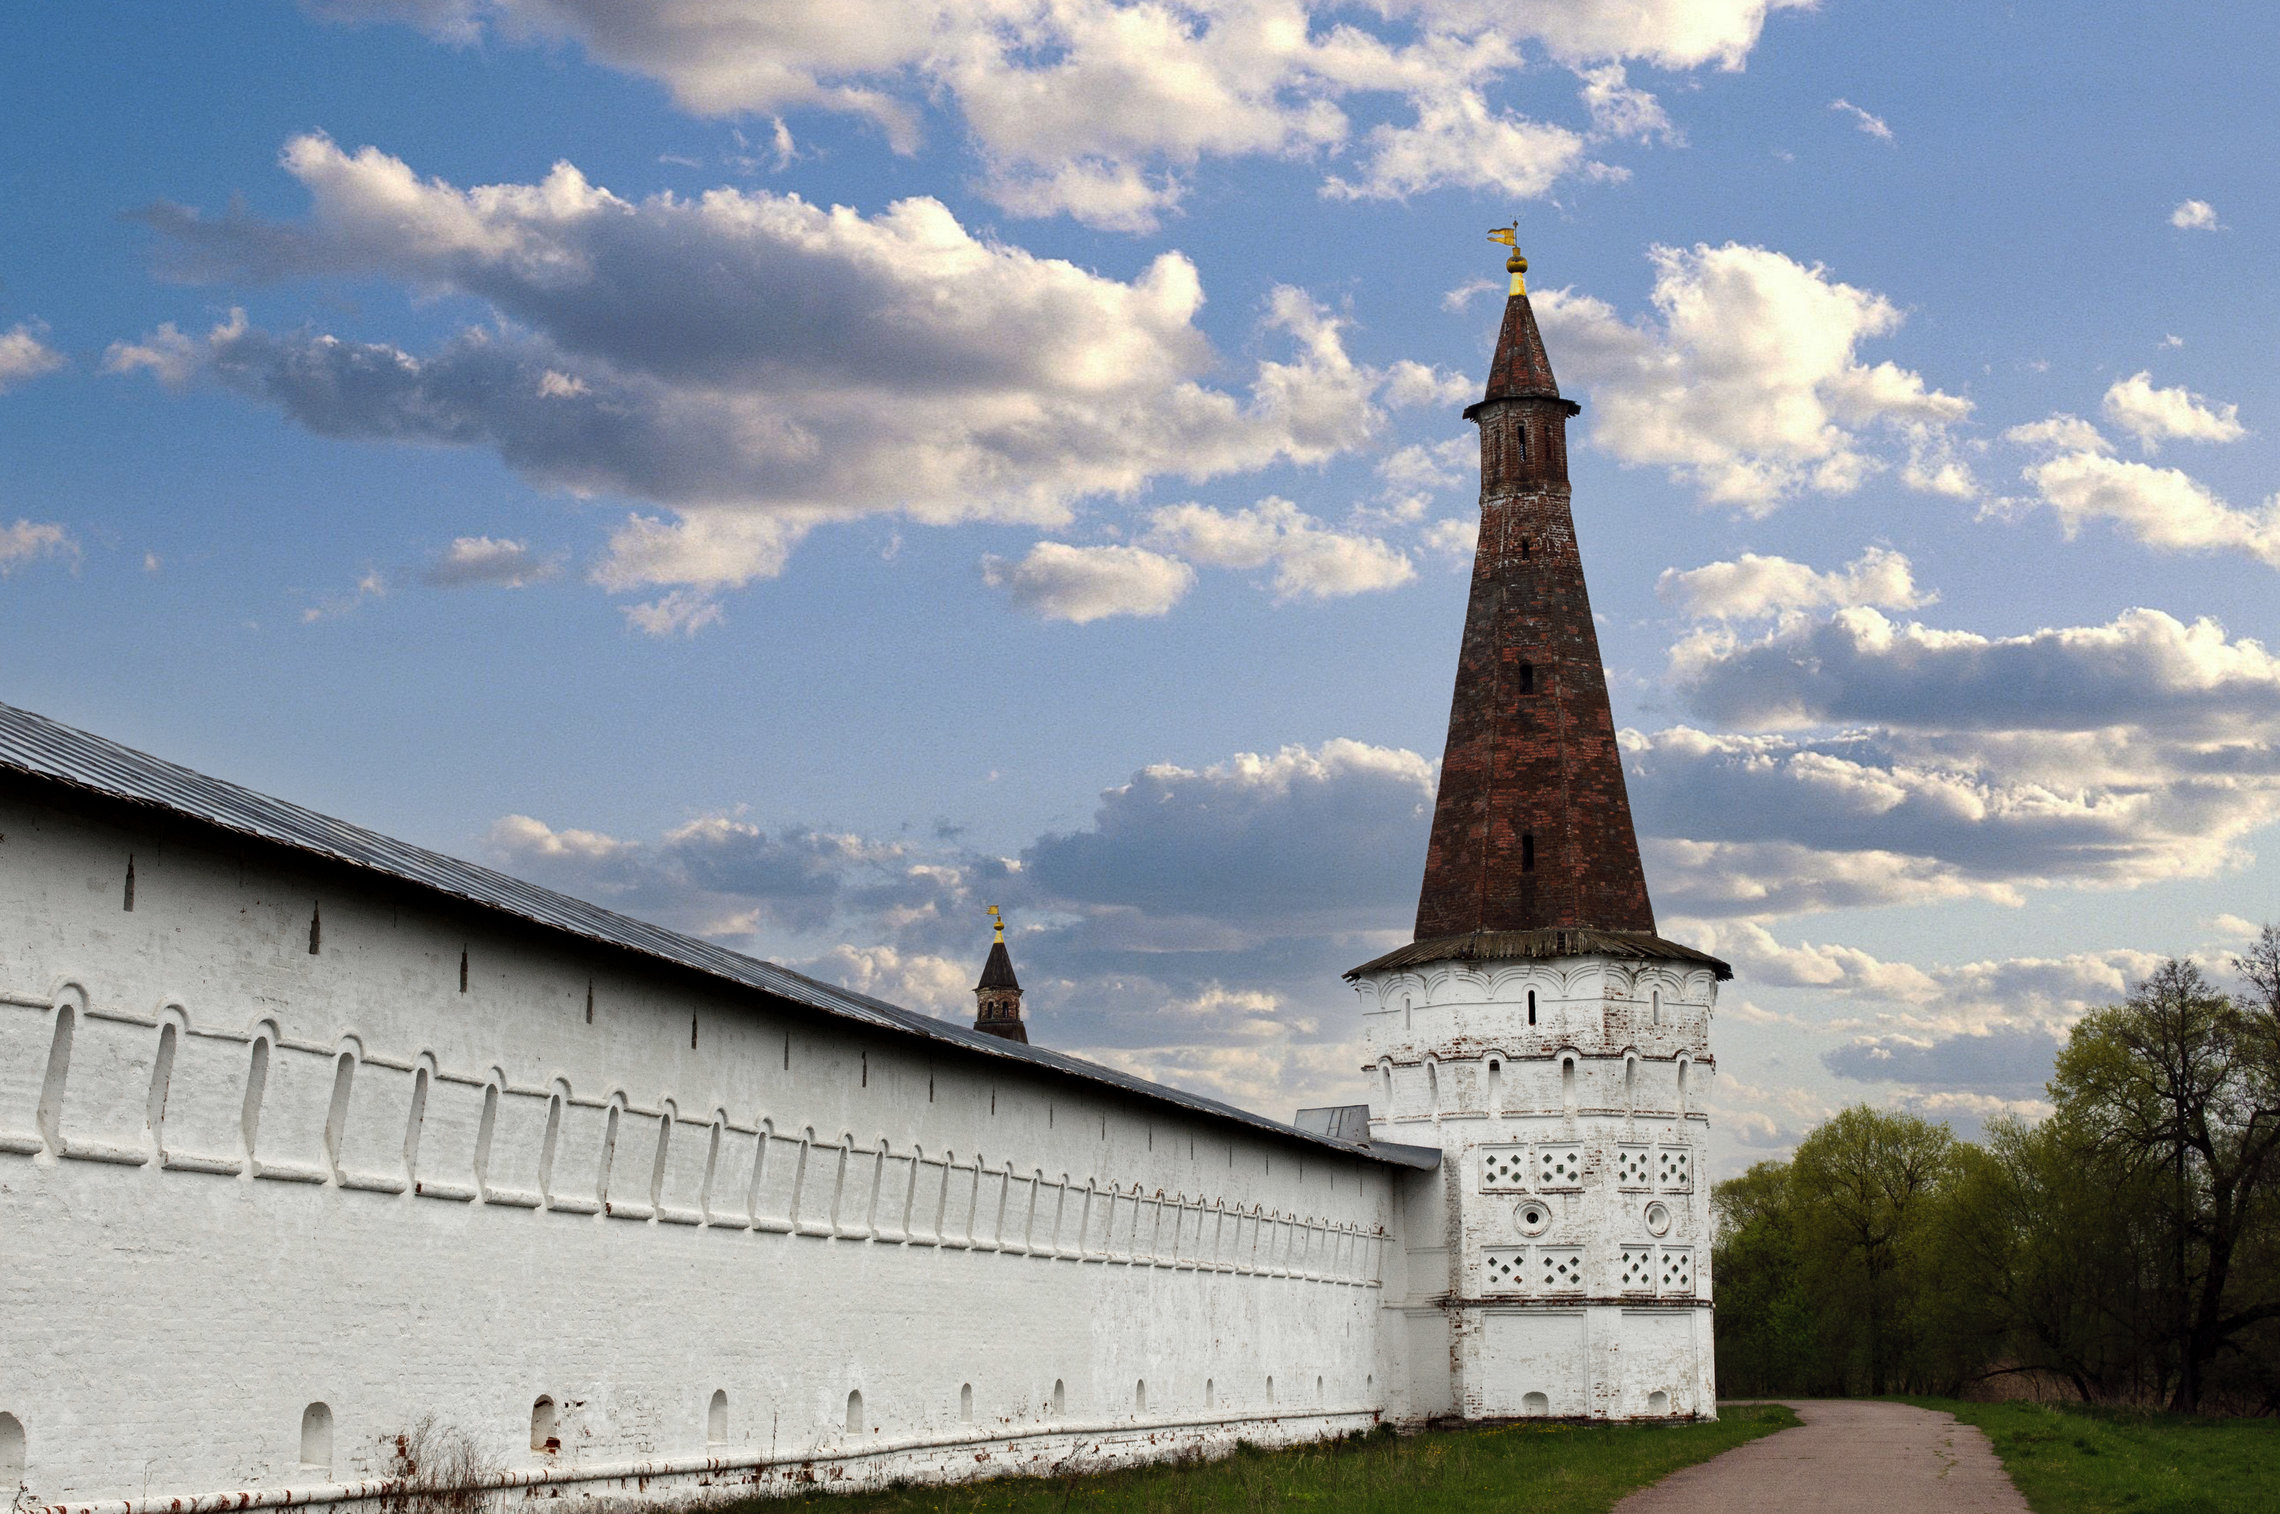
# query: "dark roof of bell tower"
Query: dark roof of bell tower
997,972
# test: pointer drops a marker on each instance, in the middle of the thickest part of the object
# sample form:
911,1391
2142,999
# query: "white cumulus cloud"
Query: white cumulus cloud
2162,507
24,356
1753,586
757,364
165,353
1057,581
1750,384
2156,415
1309,560
27,541
2144,669
499,561
2194,215
1101,109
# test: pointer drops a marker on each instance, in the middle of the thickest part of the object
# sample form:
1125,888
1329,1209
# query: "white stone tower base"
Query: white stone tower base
1565,1093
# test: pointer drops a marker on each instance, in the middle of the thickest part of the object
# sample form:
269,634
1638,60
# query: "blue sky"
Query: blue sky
804,474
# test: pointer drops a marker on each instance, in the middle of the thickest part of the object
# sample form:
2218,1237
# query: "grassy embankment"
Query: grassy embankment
1543,1468
2073,1460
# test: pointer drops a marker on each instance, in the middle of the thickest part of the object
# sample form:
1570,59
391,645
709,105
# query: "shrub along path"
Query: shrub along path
1850,1456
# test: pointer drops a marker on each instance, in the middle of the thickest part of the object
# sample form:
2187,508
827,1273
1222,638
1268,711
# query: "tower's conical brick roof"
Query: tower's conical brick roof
1532,828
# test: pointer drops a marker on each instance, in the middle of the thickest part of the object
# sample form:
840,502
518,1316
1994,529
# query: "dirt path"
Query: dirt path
1848,1456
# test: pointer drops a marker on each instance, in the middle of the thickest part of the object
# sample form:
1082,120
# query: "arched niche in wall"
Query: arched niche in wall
545,1425
317,1439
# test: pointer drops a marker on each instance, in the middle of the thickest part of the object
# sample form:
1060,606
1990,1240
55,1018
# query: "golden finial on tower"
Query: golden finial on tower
1515,265
997,922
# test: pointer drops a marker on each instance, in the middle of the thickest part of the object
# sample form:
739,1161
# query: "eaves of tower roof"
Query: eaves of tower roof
46,751
1543,946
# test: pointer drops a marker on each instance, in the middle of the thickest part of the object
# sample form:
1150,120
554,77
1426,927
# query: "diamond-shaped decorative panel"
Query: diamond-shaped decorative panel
1677,1270
1631,1166
1503,1167
1559,1166
1504,1271
1674,1167
1636,1268
1559,1268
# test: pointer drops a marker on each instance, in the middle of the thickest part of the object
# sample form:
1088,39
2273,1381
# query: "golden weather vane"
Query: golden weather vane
1515,265
997,921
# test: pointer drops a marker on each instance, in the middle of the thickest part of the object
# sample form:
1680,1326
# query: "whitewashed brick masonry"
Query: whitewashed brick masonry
293,1158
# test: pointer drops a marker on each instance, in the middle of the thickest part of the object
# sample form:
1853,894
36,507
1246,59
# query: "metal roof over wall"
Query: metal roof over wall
38,747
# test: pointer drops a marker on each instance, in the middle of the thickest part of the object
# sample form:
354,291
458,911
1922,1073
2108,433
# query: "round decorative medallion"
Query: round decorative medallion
1658,1218
1534,1215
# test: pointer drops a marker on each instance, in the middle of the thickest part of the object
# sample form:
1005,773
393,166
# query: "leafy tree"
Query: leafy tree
2046,1261
2128,1244
2179,1089
1768,1337
1865,1182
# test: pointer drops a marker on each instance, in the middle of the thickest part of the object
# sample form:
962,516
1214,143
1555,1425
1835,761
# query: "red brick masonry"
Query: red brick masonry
1532,828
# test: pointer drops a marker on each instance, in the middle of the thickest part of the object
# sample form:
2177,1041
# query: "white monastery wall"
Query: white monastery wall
285,1135
1566,1097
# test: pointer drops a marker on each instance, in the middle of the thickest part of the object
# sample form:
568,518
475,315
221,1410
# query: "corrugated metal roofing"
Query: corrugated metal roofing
1542,945
42,748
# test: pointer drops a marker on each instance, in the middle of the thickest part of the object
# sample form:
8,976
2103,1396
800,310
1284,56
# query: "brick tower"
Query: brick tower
997,998
1537,1030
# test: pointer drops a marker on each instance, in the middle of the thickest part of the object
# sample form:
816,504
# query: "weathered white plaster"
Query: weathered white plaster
1566,1097
447,1164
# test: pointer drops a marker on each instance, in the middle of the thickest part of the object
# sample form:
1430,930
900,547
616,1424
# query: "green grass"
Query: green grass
1542,1468
2074,1460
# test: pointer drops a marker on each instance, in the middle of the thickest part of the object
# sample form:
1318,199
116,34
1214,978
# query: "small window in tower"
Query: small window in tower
1531,1006
1527,678
1527,549
1527,854
1519,443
